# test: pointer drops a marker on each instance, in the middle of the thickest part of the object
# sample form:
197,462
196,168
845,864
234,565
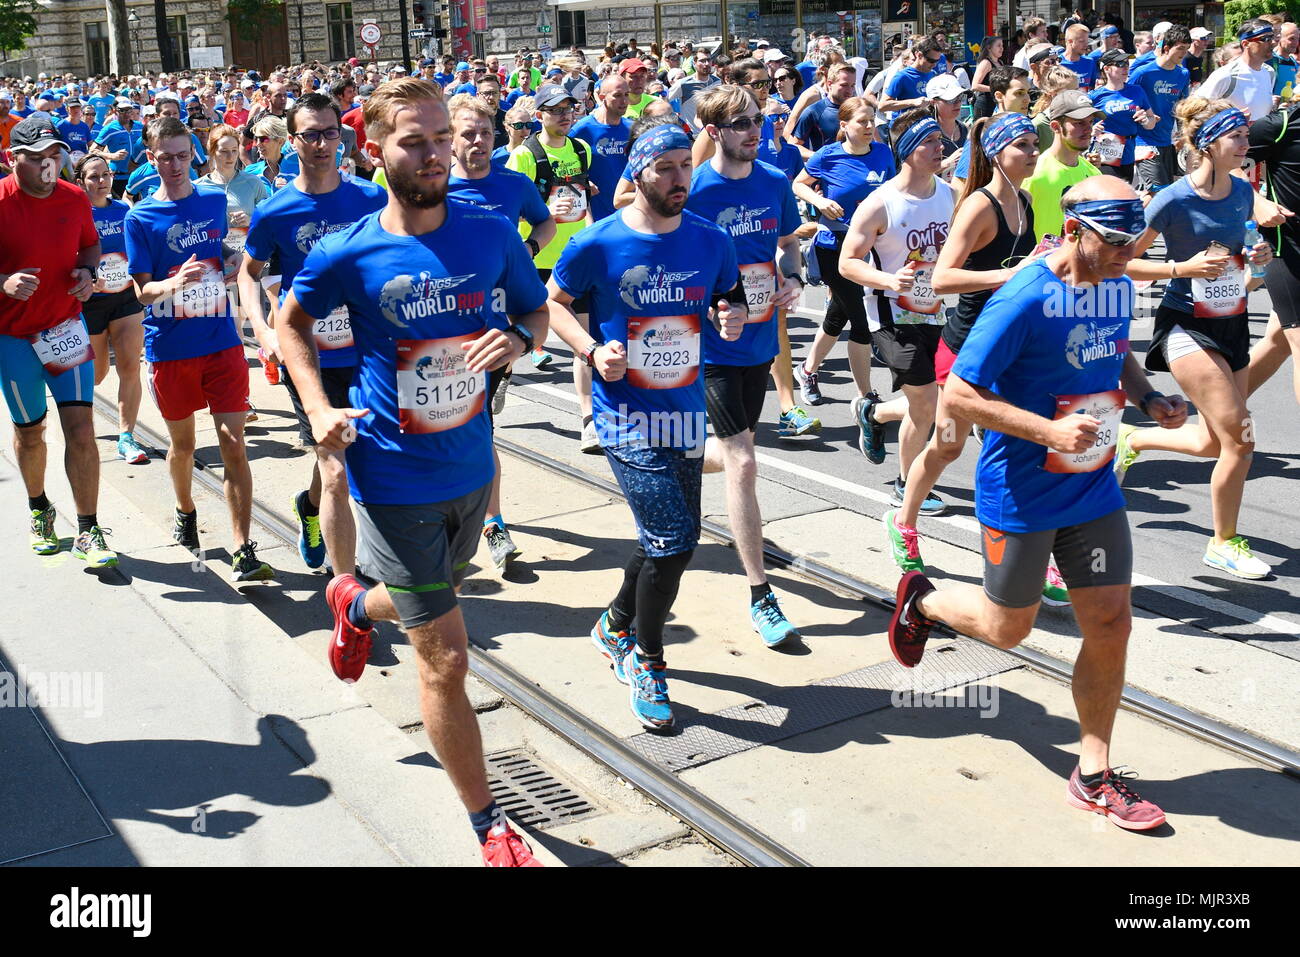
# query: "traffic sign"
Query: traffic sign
543,28
371,34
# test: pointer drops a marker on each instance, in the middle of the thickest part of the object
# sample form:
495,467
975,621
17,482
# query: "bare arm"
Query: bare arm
624,194
702,150
250,297
994,412
977,84
1201,266
543,232
974,227
867,224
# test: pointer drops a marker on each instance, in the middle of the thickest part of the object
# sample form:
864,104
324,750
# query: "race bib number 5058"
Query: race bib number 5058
435,392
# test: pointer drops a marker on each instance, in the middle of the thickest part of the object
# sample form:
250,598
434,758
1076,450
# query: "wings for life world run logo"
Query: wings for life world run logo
406,298
309,234
743,220
643,286
183,237
1105,308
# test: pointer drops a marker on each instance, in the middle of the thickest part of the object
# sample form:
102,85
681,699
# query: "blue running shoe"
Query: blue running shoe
311,545
796,422
770,622
614,645
649,693
541,358
871,438
933,504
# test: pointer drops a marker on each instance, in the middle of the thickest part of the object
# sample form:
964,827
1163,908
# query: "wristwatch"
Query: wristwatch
532,244
524,335
588,354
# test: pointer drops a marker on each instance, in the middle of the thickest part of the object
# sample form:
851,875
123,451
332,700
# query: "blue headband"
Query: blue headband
912,138
1002,130
1245,33
1225,121
1121,215
652,144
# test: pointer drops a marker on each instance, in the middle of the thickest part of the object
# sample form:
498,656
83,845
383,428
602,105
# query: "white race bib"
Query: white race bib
663,352
1108,407
921,298
237,237
113,272
334,331
576,193
1110,147
205,297
63,347
760,290
1222,297
435,392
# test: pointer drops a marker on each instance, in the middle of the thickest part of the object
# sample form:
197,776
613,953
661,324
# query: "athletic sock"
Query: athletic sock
586,421
496,520
357,612
483,821
758,592
1091,781
305,507
86,522
40,503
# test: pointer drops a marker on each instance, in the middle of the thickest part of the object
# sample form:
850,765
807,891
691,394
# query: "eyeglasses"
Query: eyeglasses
558,110
314,137
161,158
933,59
1111,237
520,126
742,123
758,84
782,77
265,139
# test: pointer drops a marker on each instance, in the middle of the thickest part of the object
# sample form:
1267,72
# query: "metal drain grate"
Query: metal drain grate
791,711
531,796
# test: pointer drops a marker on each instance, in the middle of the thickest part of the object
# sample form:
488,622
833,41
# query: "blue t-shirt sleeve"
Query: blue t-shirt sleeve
534,210
1158,210
790,220
814,165
316,290
899,87
572,272
963,164
139,255
807,122
728,269
260,243
995,340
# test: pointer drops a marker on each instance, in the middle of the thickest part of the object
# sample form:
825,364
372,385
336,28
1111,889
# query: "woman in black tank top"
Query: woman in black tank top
991,234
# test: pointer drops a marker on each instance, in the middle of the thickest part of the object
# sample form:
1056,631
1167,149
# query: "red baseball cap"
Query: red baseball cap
631,65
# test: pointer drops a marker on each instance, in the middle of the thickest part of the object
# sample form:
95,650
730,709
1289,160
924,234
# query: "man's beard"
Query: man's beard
660,202
409,191
738,154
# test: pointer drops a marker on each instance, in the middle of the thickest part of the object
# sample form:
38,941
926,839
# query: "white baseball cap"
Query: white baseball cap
945,86
1200,33
773,54
1160,28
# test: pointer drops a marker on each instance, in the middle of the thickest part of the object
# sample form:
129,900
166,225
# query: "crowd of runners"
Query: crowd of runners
395,244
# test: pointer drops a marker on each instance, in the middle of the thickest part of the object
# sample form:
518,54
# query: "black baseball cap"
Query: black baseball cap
35,134
1115,57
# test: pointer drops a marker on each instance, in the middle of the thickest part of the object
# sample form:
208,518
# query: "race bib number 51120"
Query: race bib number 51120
435,392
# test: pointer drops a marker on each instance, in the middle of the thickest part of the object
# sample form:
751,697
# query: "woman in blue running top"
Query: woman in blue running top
1201,332
113,313
847,172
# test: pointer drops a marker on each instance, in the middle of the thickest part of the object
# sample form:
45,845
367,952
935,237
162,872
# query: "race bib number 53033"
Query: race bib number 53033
435,392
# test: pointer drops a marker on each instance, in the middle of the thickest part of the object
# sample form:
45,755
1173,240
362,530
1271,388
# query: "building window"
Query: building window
179,32
97,48
343,41
573,29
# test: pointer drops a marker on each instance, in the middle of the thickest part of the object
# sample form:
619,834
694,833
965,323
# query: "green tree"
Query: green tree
1237,12
251,18
17,23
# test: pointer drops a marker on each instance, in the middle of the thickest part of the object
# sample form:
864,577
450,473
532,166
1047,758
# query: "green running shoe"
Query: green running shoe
904,543
92,549
45,541
1125,454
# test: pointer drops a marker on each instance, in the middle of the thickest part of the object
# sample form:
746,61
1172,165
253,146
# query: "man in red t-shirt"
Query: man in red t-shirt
355,118
7,120
46,274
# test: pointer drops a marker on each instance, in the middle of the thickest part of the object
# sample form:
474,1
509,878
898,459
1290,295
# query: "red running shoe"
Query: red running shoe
505,848
1115,799
909,629
350,645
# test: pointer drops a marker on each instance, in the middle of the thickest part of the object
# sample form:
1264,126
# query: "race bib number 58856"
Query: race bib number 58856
435,392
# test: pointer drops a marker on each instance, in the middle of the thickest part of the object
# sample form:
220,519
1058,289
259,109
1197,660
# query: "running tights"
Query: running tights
647,596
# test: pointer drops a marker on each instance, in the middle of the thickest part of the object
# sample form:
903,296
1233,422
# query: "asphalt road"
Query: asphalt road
1168,495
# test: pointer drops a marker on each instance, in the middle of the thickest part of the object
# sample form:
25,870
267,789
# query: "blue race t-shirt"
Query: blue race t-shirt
907,84
101,103
608,159
260,169
160,236
414,301
110,223
1121,129
658,312
1045,347
848,180
114,138
1189,223
1164,88
500,156
756,212
77,136
1086,68
789,160
291,223
818,125
511,194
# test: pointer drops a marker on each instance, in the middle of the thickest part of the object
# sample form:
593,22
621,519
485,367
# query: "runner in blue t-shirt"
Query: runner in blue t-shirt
102,102
1047,371
906,89
75,131
1165,81
513,195
1127,112
424,303
120,140
288,226
653,274
173,247
753,204
606,131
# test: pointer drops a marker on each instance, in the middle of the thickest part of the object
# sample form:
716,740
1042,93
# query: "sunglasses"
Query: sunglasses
1111,237
558,110
742,123
782,77
519,126
758,84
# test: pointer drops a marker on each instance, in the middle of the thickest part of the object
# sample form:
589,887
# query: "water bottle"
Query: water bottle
1252,237
274,371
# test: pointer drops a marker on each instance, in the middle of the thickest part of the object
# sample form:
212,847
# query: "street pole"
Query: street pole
406,40
302,54
165,53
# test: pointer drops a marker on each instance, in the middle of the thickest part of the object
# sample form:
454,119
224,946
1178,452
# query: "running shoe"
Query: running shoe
540,358
1125,454
501,545
45,540
1054,591
186,531
1115,799
649,693
871,434
770,622
796,422
349,645
248,567
92,549
614,645
251,415
590,441
908,628
904,543
311,546
129,450
1235,557
505,848
933,504
809,391
499,396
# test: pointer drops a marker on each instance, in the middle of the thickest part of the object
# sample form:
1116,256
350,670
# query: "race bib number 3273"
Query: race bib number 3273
435,392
